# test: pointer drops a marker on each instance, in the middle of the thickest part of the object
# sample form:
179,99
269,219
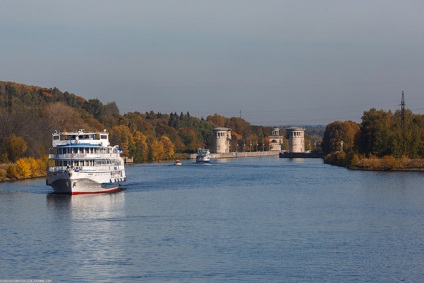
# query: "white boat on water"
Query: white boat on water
84,163
203,155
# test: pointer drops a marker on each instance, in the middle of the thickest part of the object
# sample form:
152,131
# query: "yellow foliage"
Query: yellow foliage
168,147
27,167
156,150
121,135
23,168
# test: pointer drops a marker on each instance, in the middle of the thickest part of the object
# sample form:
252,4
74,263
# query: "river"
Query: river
235,220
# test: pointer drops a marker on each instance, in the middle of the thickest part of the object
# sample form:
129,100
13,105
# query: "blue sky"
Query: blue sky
278,62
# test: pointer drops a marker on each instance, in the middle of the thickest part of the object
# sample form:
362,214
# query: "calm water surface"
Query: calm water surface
242,220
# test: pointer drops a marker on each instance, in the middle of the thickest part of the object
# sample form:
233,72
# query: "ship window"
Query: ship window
103,137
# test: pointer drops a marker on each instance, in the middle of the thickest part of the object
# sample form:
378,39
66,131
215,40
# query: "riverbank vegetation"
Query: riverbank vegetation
29,114
382,141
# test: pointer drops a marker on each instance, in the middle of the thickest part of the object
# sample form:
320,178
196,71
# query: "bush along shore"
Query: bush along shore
24,168
356,161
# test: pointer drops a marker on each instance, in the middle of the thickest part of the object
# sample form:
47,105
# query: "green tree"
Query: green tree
376,132
94,107
189,138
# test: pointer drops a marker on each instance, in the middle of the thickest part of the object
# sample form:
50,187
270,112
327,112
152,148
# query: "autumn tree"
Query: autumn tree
217,120
340,132
179,145
16,147
59,116
168,147
122,136
136,122
6,129
23,168
156,150
141,152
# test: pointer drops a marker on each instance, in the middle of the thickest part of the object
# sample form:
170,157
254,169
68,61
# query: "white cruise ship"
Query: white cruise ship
84,163
203,155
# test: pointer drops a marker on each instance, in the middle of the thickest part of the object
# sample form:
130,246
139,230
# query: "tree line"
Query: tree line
383,135
29,114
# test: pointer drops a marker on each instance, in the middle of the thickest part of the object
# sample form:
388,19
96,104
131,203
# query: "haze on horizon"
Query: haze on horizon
278,62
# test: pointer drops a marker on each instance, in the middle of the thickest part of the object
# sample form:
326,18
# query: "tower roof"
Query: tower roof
222,129
295,129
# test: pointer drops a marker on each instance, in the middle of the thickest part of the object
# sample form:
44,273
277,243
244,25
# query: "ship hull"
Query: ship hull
202,159
62,183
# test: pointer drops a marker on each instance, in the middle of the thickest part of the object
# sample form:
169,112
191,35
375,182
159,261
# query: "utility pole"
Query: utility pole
402,117
402,111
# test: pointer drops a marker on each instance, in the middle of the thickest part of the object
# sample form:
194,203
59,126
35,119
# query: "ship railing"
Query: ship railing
96,167
83,155
56,168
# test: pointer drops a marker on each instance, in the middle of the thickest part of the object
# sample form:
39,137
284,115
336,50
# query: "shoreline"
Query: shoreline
267,153
359,168
7,180
237,154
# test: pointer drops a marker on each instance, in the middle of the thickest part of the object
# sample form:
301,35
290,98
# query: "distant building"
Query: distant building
296,138
275,140
221,139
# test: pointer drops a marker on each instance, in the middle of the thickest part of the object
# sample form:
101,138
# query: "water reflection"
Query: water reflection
297,160
91,202
92,228
58,201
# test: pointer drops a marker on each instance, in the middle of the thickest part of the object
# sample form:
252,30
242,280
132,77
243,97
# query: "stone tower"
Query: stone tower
221,139
296,137
275,140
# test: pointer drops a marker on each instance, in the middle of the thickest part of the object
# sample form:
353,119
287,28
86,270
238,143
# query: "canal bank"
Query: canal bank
238,154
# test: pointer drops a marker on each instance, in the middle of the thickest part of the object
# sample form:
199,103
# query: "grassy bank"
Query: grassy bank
372,163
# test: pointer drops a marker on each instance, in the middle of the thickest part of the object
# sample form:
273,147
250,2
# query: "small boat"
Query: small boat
178,163
203,155
83,162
